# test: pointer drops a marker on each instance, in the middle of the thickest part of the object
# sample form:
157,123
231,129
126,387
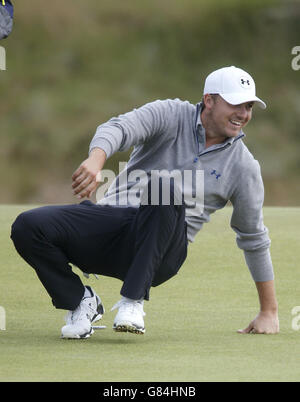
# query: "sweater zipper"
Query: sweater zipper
212,150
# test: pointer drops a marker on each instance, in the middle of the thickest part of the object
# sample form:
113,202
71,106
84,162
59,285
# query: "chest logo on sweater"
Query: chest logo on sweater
215,173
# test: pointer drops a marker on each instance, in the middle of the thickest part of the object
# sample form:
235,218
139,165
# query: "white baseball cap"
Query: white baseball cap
233,84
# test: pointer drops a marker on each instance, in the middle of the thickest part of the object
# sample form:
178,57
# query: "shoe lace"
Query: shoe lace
130,306
84,310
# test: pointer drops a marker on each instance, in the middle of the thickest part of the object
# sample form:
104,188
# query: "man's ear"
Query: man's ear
208,100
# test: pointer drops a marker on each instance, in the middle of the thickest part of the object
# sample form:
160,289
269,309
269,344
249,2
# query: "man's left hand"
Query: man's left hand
263,323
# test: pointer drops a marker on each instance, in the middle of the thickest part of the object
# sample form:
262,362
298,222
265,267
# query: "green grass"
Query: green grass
191,320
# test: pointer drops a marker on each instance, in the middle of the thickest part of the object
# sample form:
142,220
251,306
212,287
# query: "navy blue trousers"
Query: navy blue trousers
142,246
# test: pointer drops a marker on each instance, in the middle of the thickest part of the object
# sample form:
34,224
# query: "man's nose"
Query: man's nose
242,112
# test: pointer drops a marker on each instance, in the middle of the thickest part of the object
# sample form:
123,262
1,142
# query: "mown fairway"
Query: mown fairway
191,321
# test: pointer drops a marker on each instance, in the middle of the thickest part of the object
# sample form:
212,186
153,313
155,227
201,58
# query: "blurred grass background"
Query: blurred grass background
73,64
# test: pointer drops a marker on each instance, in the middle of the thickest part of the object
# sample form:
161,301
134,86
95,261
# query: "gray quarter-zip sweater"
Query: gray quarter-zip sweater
168,134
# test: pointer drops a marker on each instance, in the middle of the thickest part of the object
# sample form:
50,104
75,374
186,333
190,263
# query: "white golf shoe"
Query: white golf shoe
79,322
130,316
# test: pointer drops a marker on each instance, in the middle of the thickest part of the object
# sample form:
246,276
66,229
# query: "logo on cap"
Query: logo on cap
245,82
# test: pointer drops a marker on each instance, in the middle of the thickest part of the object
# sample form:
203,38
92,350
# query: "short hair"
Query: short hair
214,96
